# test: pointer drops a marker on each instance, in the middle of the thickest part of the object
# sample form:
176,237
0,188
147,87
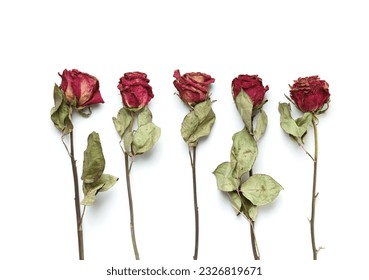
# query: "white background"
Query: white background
279,40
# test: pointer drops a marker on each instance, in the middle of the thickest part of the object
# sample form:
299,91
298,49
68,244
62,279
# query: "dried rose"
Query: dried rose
193,87
81,87
135,90
252,85
310,93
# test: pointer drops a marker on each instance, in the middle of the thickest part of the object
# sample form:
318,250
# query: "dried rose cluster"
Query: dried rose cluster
246,189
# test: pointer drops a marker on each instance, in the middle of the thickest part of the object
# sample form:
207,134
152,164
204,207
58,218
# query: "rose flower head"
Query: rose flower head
310,93
81,88
193,88
135,90
252,85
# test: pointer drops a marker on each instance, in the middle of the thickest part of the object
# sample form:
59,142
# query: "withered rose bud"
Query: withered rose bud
252,85
193,87
310,93
80,86
135,90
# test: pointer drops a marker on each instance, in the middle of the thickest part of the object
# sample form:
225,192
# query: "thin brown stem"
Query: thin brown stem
196,208
132,223
314,193
255,249
254,244
76,199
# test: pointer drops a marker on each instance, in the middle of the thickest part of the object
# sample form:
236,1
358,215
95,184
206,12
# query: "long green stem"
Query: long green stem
132,223
196,208
314,193
76,200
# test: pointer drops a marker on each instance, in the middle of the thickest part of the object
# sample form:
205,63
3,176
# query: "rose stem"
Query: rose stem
132,224
314,194
255,249
196,208
76,200
254,244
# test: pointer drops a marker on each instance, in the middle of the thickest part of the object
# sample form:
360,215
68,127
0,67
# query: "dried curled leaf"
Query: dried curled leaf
245,106
236,202
198,123
260,189
145,138
144,117
225,180
296,128
249,209
94,161
243,153
261,125
61,113
122,121
127,142
104,183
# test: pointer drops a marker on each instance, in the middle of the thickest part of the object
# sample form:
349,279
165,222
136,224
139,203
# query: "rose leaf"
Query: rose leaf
260,189
198,123
244,106
295,128
243,153
235,199
122,121
248,209
145,138
104,183
127,141
61,113
189,125
144,117
225,181
93,161
261,125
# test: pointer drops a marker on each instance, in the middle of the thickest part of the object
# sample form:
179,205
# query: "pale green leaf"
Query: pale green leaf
189,125
243,153
236,202
202,109
145,138
294,128
127,141
90,194
104,183
253,211
260,189
225,181
61,113
248,209
261,125
198,123
122,121
244,106
303,123
203,129
144,117
93,162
